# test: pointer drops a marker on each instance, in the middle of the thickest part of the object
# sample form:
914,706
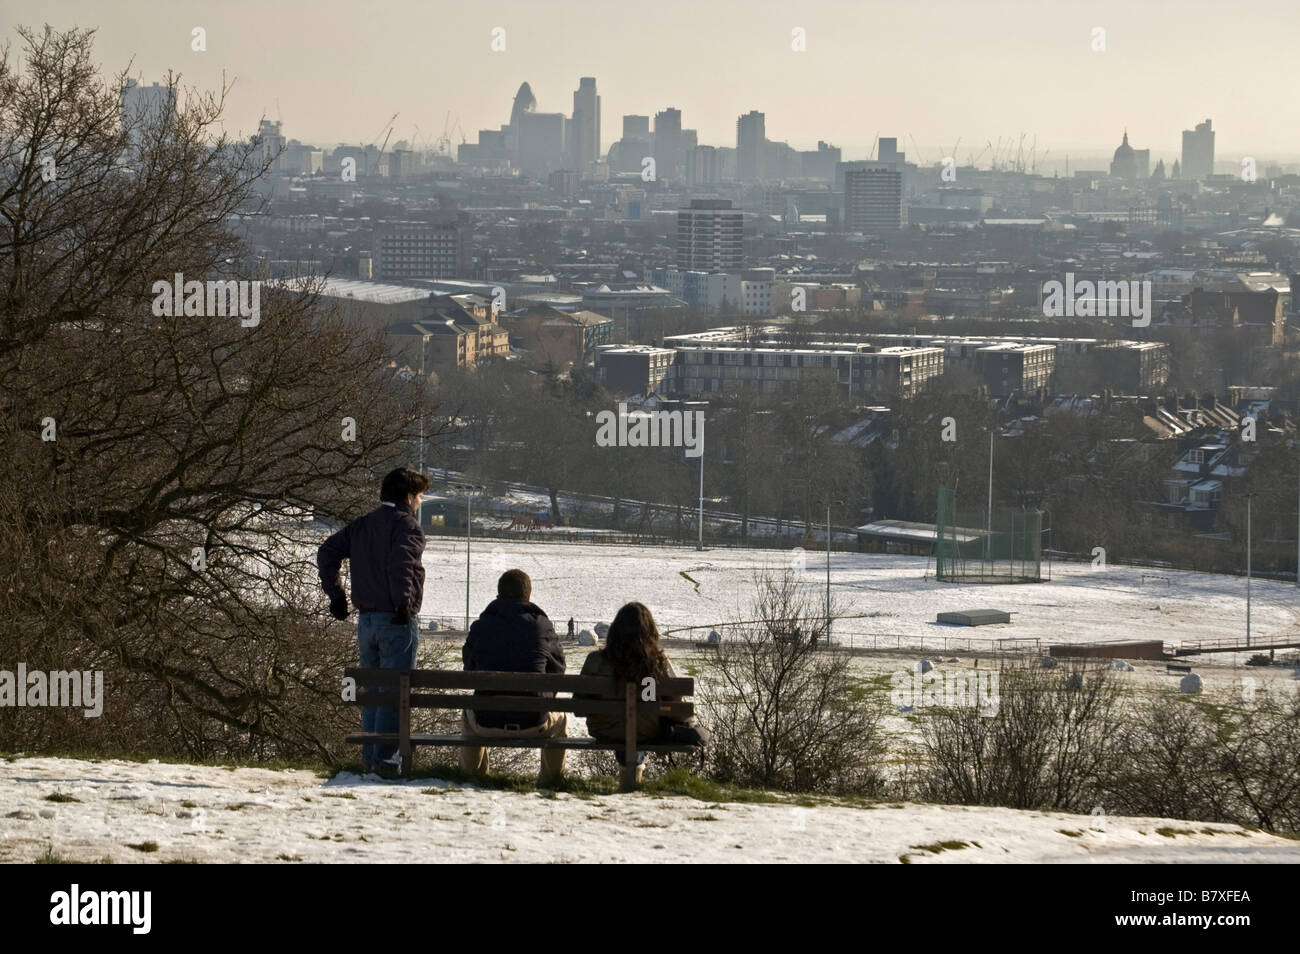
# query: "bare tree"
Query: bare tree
161,472
1045,747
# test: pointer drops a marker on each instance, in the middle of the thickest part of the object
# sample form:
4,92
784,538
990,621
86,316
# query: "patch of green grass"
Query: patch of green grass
708,817
188,804
148,847
181,861
61,797
235,808
50,858
1070,834
288,857
939,846
339,795
1173,832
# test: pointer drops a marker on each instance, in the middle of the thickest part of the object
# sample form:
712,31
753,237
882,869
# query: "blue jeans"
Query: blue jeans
384,645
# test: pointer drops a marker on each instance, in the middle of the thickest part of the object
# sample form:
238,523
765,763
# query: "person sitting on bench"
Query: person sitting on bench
513,634
632,652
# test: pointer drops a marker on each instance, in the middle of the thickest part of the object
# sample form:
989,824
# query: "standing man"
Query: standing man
383,549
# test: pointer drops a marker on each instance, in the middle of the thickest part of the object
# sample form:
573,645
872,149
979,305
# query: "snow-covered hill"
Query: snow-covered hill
150,812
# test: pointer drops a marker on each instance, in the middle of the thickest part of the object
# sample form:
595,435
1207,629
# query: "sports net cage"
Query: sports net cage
972,546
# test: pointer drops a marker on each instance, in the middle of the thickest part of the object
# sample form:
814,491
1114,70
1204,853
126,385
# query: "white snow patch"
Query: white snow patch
214,814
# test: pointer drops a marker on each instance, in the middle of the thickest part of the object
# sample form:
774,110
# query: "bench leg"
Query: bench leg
629,737
404,723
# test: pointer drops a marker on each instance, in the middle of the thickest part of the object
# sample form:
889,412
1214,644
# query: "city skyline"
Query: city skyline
992,84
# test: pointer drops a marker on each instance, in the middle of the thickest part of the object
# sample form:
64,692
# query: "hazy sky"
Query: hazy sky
935,70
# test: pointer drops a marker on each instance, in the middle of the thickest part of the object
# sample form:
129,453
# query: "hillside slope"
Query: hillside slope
215,814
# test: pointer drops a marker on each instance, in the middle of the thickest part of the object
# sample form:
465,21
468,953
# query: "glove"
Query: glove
339,606
402,617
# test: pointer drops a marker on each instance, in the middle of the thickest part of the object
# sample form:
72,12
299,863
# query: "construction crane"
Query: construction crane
444,141
916,147
388,135
873,145
389,126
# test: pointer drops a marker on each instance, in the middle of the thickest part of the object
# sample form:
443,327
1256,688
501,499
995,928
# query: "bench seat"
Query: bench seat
419,738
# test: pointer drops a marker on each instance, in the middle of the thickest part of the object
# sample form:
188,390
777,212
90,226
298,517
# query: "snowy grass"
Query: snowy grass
686,588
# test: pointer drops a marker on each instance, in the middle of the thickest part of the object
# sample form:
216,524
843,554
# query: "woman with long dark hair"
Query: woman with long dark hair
632,652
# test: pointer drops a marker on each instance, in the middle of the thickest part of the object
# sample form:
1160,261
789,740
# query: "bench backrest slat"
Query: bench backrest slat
425,700
512,681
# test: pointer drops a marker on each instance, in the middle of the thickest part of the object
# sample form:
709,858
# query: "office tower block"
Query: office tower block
873,197
584,138
1198,151
710,236
668,143
751,135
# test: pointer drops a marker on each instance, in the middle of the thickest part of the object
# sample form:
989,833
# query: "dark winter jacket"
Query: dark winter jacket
512,636
384,549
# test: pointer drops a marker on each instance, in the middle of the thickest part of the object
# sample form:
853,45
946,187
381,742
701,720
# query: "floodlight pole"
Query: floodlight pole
423,382
988,527
700,545
1249,499
828,573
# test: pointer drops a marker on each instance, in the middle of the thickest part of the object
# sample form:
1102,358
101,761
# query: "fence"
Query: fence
1004,549
863,640
857,640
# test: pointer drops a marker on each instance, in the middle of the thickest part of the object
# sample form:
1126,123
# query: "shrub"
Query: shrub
784,707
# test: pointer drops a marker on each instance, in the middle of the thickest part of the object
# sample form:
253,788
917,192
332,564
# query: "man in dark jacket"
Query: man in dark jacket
513,635
384,550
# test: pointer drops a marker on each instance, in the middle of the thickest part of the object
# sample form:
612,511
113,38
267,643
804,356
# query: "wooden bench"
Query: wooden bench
407,689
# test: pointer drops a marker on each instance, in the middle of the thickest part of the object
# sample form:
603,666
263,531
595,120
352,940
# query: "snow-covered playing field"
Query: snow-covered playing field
686,588
150,812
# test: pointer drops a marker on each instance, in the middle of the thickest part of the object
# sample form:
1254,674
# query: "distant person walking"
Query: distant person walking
570,627
513,634
384,550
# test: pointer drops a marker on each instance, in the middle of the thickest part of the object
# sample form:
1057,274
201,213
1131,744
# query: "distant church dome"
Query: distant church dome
1125,151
